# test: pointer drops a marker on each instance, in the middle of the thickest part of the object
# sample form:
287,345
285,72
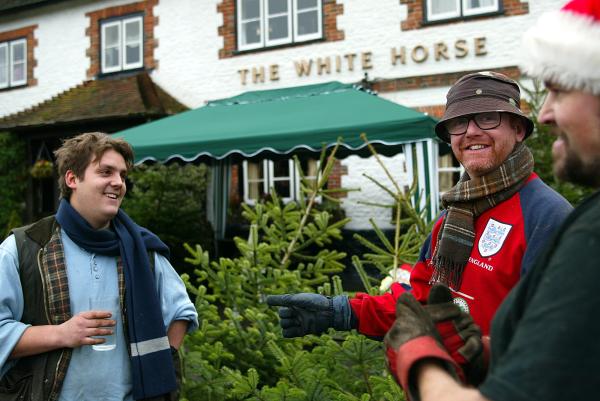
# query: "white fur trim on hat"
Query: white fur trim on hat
564,48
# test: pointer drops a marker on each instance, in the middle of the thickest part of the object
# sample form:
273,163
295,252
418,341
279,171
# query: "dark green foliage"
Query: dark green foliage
170,201
13,180
238,353
540,143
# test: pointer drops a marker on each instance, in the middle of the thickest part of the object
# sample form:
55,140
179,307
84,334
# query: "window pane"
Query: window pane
479,3
277,7
251,32
132,31
111,36
18,52
312,168
111,57
18,72
308,22
255,171
302,4
250,9
278,27
3,75
281,168
3,65
132,54
282,188
442,6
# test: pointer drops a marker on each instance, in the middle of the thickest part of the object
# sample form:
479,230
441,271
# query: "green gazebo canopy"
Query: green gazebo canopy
280,122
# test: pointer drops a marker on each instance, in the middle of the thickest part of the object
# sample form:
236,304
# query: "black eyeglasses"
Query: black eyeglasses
459,125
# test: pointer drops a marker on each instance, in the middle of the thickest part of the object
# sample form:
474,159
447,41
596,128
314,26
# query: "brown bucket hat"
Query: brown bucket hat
481,92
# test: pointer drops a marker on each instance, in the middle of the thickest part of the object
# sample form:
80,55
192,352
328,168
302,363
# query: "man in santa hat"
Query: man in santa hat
544,337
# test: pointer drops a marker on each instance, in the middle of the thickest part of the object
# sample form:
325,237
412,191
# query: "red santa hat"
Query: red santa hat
564,47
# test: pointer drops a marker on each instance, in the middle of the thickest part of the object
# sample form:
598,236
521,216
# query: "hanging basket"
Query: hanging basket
42,169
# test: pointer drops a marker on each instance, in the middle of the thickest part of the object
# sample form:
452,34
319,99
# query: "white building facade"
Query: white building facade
409,51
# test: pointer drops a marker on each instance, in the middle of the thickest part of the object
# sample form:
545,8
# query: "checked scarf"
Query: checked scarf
469,198
151,363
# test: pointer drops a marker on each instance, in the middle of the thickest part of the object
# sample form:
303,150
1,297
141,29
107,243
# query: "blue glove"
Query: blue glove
305,313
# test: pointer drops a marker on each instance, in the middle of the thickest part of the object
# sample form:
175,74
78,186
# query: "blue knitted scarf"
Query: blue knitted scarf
151,364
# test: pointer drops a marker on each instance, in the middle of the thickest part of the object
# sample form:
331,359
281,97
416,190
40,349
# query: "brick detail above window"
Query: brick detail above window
415,16
335,179
438,80
331,33
27,33
433,81
93,31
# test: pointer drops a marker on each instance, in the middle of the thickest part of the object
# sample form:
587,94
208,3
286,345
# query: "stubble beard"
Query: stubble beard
576,171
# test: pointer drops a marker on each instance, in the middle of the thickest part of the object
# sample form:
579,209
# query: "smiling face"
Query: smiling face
574,117
98,194
482,151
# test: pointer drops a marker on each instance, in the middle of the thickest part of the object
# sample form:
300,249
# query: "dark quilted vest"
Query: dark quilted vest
34,377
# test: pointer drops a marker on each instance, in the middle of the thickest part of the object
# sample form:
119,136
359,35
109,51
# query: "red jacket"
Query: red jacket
508,238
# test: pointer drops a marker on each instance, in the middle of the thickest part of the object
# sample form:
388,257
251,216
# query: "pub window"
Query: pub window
449,171
282,175
266,23
13,63
122,44
438,10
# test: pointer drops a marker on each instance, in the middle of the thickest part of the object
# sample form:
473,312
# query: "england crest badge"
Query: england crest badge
493,237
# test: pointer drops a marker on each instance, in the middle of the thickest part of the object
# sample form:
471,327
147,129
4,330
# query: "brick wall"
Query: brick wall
437,80
27,33
331,33
415,13
93,32
335,179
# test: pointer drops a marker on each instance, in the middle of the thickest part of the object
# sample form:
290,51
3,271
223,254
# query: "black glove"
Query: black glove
459,333
306,313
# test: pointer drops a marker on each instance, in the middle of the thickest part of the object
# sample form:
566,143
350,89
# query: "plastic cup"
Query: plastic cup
111,305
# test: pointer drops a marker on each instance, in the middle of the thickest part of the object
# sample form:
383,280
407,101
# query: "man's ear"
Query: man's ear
520,128
71,179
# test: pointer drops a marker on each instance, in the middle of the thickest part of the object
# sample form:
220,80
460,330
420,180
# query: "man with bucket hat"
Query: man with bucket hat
544,338
496,219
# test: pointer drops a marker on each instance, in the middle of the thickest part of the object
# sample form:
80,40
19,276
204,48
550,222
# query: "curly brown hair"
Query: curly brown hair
78,152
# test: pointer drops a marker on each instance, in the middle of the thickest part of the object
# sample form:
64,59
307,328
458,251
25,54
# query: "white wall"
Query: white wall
60,53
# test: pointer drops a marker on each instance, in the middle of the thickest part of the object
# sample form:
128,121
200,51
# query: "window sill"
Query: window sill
277,47
427,23
121,73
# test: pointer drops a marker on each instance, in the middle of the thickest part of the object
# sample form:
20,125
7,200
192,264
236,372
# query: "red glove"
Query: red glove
412,338
459,334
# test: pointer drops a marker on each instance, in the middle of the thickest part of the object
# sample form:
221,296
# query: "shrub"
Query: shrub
170,201
13,180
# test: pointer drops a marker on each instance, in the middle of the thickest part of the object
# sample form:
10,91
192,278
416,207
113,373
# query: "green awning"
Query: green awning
280,122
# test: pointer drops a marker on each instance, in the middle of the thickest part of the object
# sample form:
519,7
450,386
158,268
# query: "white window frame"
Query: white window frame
316,35
265,189
267,16
454,169
120,24
461,10
8,47
5,47
270,179
289,178
140,63
480,10
13,44
443,16
260,43
293,35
